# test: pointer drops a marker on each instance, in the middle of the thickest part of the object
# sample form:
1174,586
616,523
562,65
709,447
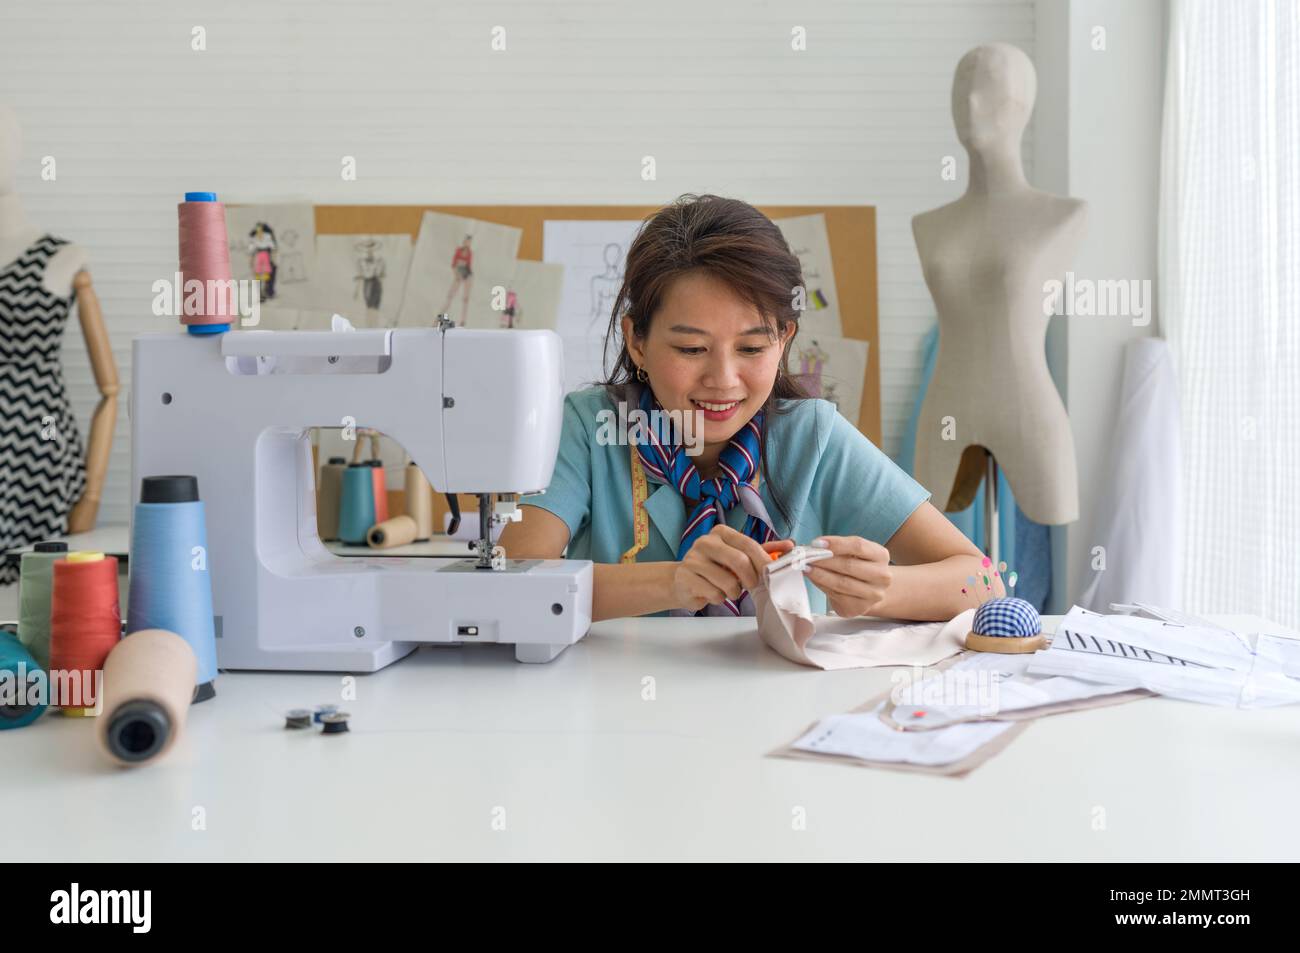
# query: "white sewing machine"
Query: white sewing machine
478,411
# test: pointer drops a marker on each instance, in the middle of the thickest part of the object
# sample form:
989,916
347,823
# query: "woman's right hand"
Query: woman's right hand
721,564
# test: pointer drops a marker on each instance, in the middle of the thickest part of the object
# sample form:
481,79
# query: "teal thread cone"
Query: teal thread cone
357,504
22,697
171,584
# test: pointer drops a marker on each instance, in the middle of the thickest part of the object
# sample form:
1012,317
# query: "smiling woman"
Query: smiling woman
705,318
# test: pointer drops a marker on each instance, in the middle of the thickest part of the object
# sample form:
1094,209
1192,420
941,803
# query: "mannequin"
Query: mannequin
64,276
985,258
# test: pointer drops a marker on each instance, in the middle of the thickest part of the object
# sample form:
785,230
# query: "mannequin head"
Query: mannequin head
10,146
992,97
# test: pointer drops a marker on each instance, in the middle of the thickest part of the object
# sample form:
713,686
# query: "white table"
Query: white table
583,767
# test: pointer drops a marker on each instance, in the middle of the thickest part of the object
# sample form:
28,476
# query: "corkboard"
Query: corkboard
851,229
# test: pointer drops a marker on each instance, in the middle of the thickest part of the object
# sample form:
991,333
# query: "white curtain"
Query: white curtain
1230,283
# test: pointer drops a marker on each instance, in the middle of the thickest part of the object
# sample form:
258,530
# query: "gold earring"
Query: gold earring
641,375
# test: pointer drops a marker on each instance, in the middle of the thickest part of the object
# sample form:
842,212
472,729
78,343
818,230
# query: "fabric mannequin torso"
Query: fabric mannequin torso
43,277
41,452
985,259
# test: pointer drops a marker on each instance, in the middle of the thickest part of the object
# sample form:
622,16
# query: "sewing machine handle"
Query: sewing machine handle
375,342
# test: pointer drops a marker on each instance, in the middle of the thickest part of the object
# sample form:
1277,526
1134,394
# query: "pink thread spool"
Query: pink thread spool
205,257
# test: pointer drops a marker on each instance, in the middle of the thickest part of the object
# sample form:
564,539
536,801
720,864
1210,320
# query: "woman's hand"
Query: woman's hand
855,579
719,565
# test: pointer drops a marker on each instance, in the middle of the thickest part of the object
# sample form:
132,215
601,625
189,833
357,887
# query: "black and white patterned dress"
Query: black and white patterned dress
42,467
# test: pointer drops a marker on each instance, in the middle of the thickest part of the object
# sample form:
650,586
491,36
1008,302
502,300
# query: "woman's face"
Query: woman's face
708,350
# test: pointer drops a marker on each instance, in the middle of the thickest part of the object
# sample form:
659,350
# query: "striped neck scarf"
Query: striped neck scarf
668,463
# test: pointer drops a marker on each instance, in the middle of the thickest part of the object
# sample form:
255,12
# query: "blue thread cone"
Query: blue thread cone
171,585
17,666
357,504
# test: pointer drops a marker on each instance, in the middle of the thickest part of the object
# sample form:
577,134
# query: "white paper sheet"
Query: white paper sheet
1208,665
435,283
832,368
356,272
532,292
284,235
593,254
864,736
807,237
981,686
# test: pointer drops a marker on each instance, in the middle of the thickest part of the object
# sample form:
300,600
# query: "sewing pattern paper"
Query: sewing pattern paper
276,246
455,265
808,239
787,625
362,276
593,254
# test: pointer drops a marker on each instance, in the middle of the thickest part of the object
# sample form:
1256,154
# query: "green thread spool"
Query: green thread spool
35,582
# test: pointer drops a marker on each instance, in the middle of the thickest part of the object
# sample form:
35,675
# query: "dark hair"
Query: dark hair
733,242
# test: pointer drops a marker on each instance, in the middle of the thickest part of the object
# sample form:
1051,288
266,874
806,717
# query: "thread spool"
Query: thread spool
1006,626
171,585
419,500
397,531
85,624
36,577
335,723
381,490
205,256
298,718
148,682
327,498
323,710
21,698
357,508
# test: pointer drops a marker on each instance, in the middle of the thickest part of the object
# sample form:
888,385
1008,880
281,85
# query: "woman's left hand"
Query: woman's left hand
855,579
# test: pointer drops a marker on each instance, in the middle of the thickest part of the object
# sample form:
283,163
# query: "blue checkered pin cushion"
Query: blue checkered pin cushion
1007,618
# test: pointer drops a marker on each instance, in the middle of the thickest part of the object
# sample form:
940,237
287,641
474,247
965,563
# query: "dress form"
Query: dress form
985,258
65,274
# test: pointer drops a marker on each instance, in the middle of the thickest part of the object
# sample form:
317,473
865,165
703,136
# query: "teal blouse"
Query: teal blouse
832,479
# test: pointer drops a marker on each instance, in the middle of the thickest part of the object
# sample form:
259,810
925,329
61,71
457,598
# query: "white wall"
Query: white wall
134,118
1112,147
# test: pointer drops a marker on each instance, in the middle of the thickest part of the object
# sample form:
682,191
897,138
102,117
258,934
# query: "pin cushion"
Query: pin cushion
1008,626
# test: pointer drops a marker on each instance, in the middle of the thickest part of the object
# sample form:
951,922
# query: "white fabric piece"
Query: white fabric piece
1141,524
788,627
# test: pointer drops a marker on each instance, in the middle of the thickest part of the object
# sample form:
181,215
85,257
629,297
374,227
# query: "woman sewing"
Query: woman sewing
680,522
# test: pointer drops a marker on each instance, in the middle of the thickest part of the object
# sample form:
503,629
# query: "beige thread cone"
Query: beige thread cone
397,531
149,681
419,501
327,499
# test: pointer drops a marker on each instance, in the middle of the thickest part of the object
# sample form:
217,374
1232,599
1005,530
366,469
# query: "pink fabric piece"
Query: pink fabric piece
788,627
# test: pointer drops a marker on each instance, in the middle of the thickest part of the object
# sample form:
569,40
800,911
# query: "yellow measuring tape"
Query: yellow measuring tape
641,519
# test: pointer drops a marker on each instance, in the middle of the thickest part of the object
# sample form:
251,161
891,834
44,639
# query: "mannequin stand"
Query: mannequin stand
991,507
